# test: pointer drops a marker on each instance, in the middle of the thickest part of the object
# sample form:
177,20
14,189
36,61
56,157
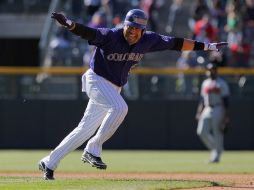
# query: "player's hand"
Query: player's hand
61,19
215,46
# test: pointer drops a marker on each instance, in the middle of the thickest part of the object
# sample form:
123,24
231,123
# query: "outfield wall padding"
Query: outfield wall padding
160,124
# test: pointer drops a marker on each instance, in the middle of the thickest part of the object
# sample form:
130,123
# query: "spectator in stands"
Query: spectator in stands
199,9
98,21
106,7
219,15
174,10
239,45
117,21
204,30
185,84
58,45
240,53
119,7
91,6
151,8
76,8
187,60
249,21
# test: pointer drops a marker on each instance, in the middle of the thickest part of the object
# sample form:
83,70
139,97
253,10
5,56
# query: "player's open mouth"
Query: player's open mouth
132,36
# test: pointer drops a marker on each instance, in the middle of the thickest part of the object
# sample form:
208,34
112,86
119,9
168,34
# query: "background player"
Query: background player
212,113
117,51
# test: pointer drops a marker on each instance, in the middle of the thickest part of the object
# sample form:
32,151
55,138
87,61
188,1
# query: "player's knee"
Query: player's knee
201,133
124,109
121,109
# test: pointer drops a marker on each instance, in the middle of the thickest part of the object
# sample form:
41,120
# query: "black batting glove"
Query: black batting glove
61,19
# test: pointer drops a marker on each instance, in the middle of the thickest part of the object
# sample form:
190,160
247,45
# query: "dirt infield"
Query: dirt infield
236,181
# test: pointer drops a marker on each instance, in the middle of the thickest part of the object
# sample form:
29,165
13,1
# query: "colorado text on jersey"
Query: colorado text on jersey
125,57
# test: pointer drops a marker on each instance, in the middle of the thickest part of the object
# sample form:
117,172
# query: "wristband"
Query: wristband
199,46
73,26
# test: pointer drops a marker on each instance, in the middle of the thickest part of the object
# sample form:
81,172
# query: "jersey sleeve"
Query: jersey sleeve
103,36
158,42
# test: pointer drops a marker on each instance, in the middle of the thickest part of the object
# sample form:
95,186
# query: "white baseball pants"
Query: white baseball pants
105,111
209,130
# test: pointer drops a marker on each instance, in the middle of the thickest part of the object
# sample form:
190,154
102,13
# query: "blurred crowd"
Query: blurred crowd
96,14
207,20
222,20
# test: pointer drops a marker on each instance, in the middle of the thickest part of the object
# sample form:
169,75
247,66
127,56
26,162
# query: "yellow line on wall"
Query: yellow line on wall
139,71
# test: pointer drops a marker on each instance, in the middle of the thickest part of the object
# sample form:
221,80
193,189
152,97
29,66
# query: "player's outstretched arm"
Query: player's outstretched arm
195,45
76,28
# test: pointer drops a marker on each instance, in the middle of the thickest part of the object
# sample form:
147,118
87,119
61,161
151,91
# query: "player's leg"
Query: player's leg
90,122
204,129
107,95
217,133
110,123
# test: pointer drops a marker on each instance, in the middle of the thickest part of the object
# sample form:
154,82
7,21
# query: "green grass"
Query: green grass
135,161
122,161
20,183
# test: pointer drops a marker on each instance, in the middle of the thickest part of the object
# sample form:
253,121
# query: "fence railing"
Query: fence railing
139,71
144,83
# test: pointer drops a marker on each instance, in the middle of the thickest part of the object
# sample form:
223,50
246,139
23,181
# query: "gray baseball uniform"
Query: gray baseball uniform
212,116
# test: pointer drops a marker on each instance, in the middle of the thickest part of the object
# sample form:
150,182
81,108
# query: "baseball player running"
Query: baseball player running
117,51
212,114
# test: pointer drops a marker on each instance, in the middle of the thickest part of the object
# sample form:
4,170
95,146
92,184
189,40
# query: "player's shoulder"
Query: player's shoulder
206,82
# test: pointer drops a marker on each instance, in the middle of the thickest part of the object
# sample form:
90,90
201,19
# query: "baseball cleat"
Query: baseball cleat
93,160
216,160
48,173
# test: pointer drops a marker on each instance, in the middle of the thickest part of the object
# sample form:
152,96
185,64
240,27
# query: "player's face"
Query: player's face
132,34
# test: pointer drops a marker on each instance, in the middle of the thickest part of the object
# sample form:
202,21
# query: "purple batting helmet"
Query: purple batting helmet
136,18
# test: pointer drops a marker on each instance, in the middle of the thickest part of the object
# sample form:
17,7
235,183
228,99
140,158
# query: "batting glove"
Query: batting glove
61,19
215,46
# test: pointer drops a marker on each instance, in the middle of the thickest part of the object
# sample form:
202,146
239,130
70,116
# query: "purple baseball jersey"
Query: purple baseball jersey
114,57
